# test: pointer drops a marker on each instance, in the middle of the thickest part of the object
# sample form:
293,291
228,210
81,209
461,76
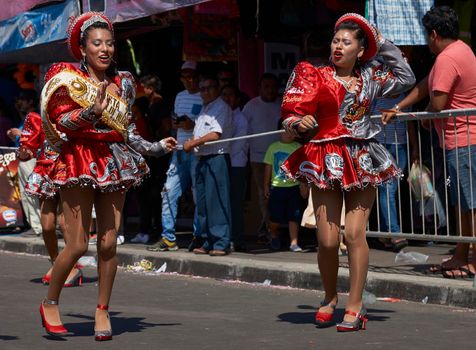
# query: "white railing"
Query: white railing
431,218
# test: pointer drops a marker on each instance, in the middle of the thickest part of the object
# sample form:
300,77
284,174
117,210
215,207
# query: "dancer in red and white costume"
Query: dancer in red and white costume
33,145
330,105
86,119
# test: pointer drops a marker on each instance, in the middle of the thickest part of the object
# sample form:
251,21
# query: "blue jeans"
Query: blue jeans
388,192
180,175
213,200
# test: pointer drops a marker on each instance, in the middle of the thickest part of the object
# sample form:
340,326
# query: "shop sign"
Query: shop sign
280,59
40,26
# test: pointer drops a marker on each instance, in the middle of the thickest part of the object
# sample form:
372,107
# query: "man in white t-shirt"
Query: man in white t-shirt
263,113
181,172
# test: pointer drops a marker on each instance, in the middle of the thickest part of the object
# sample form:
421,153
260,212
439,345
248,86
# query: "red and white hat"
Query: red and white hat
369,30
79,25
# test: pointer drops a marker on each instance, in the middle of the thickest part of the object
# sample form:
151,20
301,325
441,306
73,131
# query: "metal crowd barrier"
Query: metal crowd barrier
431,216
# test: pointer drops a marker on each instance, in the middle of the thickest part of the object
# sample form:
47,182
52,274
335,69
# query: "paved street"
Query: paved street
178,312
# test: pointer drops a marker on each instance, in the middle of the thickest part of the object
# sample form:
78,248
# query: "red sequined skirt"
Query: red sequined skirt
345,162
102,165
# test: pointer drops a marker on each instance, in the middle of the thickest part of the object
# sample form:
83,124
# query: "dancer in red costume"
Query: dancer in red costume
86,119
330,105
32,145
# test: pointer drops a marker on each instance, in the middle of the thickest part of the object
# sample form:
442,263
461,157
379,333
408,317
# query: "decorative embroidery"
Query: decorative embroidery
335,164
292,99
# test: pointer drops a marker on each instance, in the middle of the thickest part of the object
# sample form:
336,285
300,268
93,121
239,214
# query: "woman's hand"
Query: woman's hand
169,143
102,100
13,133
24,154
307,123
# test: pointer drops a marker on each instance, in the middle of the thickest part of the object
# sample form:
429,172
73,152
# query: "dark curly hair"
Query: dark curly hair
443,20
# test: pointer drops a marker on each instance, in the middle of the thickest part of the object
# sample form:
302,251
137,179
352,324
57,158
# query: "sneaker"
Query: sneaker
295,248
275,244
140,238
163,245
120,239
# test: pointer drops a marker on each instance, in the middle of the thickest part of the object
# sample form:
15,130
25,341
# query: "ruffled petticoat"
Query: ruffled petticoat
105,166
345,162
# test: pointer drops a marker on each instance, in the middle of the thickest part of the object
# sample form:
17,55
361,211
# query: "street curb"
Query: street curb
244,268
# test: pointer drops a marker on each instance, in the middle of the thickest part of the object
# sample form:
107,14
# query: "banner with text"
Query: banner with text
40,26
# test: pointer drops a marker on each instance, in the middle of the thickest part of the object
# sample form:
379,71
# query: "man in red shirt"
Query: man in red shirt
451,84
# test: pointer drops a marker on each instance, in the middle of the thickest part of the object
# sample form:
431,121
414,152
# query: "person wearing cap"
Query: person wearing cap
181,171
86,119
329,105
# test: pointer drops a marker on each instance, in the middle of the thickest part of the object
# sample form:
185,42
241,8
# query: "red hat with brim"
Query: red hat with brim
75,29
369,31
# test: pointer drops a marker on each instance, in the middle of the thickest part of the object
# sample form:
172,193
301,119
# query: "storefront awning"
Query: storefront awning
19,6
126,10
37,36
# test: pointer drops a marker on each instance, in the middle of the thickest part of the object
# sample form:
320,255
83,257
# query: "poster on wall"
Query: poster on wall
280,59
11,214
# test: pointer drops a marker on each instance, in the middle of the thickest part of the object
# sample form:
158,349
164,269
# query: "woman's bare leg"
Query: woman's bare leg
48,208
293,232
108,210
327,208
358,204
77,204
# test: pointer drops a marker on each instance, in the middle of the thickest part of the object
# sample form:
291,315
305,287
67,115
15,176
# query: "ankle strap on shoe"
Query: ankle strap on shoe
351,313
50,302
102,307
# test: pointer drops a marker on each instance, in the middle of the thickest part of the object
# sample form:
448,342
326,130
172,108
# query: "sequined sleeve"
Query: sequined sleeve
31,136
63,111
301,95
391,71
142,146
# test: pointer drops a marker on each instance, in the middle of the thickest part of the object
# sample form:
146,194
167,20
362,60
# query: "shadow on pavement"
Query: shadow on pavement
309,317
8,337
119,324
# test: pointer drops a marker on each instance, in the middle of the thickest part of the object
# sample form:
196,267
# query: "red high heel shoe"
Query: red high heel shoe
46,279
324,319
76,280
59,330
359,322
106,334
